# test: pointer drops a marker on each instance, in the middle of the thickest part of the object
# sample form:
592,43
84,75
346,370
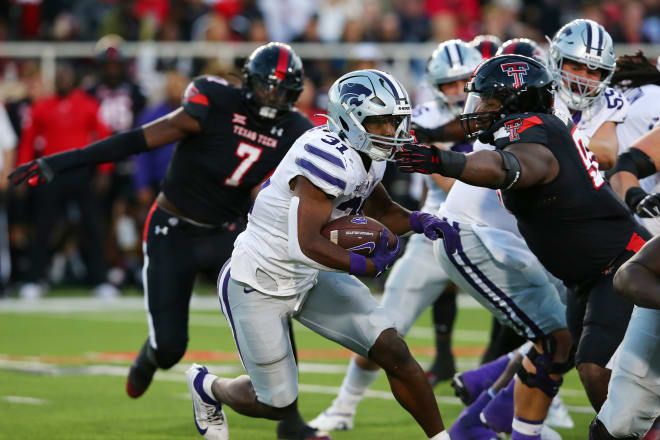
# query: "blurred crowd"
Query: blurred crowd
92,236
628,21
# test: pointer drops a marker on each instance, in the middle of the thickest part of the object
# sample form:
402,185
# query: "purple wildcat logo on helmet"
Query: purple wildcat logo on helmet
359,220
354,93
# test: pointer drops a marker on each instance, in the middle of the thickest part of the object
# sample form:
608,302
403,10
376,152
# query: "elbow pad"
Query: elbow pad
634,161
511,166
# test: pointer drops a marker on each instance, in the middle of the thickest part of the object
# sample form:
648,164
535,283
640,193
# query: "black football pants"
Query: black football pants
175,251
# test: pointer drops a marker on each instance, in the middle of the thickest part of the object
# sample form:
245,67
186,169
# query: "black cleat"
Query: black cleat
287,430
138,380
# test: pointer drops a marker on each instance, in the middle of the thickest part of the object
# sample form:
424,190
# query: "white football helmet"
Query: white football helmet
588,43
451,61
367,93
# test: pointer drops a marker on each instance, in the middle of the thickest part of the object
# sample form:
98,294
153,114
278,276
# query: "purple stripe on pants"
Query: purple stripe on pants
225,302
537,333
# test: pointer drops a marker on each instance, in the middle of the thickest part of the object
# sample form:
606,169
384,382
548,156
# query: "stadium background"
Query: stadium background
161,44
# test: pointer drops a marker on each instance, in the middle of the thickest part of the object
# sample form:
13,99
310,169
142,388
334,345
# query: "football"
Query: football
356,233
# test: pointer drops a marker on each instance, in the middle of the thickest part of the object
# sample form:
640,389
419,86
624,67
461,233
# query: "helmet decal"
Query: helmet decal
353,93
517,70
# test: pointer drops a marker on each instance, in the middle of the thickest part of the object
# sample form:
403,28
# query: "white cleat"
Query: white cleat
333,419
558,416
209,417
548,433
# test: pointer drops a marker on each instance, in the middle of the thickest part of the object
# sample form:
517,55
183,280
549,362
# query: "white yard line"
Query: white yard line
25,400
176,375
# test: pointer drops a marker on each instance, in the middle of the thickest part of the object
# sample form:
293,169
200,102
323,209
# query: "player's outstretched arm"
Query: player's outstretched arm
641,160
450,132
518,166
170,128
639,278
314,210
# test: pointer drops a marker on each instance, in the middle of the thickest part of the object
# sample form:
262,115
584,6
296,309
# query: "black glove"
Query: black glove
427,134
418,158
643,204
35,172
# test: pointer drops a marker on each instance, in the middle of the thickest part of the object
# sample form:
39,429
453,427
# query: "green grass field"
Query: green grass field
63,365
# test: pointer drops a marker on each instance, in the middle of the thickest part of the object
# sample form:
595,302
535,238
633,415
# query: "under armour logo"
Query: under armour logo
517,70
161,230
512,128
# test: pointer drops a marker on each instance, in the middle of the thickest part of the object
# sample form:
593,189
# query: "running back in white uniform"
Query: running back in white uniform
266,255
269,278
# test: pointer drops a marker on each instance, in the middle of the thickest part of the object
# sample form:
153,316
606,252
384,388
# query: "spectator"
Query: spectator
414,23
151,166
7,155
454,19
67,120
286,19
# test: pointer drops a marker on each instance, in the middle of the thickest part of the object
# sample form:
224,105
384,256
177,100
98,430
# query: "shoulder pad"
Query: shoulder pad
321,158
520,128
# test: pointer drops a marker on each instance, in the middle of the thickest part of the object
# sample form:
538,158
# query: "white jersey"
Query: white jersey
476,205
267,255
431,114
611,107
643,115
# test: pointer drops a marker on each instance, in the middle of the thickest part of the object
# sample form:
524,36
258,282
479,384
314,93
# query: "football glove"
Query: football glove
36,172
643,204
383,256
433,228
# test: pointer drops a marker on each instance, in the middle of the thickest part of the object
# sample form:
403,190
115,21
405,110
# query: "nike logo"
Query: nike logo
246,290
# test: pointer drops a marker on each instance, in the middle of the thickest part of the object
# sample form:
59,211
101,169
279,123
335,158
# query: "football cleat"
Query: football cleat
333,419
138,381
301,432
442,369
558,416
209,417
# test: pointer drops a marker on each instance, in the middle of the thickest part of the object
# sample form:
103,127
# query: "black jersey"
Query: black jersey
211,174
576,225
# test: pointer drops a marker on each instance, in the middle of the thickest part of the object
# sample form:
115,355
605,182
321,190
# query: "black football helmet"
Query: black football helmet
522,46
487,45
272,80
504,85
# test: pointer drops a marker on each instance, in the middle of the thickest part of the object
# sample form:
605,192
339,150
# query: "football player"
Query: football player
415,281
282,265
581,60
522,46
639,81
634,390
230,139
568,215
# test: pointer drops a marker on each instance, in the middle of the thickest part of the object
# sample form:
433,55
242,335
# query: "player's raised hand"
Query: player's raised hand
417,158
433,228
383,256
36,172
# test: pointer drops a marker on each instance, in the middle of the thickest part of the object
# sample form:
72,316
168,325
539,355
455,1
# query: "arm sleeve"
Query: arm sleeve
200,94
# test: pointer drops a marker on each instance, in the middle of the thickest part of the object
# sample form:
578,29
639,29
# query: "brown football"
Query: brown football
356,233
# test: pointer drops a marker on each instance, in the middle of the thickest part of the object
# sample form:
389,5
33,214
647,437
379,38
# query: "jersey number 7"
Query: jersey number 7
250,155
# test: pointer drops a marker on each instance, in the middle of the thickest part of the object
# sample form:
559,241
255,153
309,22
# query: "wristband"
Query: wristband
633,196
358,264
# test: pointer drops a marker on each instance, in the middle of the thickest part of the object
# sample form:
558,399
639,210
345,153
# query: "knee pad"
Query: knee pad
598,431
167,358
544,367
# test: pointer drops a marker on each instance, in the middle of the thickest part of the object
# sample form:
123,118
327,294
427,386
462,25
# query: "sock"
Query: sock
526,429
207,384
355,384
440,436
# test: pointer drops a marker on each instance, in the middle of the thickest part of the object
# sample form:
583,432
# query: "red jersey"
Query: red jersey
60,123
